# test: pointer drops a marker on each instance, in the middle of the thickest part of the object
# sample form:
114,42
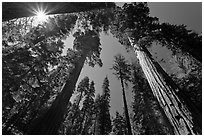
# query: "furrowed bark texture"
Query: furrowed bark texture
175,109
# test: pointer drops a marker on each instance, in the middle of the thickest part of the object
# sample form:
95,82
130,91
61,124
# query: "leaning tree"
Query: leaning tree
87,46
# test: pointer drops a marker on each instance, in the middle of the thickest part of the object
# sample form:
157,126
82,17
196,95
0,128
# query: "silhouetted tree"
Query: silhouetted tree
103,123
122,71
96,111
178,38
88,110
119,125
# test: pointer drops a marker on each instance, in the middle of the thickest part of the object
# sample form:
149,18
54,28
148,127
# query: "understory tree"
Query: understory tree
119,125
103,121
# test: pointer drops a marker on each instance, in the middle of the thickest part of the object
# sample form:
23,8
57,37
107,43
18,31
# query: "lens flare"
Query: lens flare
41,16
40,11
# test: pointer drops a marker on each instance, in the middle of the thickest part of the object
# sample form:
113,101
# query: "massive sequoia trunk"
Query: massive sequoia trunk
50,122
126,108
167,94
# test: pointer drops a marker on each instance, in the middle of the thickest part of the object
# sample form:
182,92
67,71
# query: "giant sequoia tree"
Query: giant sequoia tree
86,42
134,21
148,116
31,60
87,45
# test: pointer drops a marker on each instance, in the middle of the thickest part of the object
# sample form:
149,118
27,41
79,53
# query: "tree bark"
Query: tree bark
175,109
158,113
50,122
126,108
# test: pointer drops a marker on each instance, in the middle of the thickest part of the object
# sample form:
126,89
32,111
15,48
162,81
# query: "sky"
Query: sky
189,14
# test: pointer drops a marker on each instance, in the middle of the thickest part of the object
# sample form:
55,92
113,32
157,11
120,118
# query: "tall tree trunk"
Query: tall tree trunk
158,114
50,122
153,106
126,108
175,109
195,111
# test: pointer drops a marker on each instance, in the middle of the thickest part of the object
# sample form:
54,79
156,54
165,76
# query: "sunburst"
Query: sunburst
41,16
40,12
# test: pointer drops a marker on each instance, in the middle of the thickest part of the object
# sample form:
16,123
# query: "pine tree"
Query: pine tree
96,111
82,89
87,110
119,125
122,71
103,125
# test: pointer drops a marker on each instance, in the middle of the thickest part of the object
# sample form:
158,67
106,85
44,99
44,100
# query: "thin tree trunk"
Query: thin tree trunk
82,121
83,126
50,122
95,123
126,108
178,114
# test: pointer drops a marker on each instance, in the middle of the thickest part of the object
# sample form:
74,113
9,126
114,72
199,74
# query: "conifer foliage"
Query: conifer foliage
103,113
122,71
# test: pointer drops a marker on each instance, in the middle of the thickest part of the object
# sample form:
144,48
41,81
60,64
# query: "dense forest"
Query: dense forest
40,94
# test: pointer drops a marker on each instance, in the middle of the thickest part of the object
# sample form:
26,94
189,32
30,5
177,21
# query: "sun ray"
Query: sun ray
40,13
41,16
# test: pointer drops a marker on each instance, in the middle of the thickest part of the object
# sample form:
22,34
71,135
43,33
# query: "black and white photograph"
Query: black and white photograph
101,68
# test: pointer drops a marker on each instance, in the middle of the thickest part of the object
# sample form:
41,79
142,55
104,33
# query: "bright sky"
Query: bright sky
176,13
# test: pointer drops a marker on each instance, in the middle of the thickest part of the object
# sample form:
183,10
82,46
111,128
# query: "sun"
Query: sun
41,16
